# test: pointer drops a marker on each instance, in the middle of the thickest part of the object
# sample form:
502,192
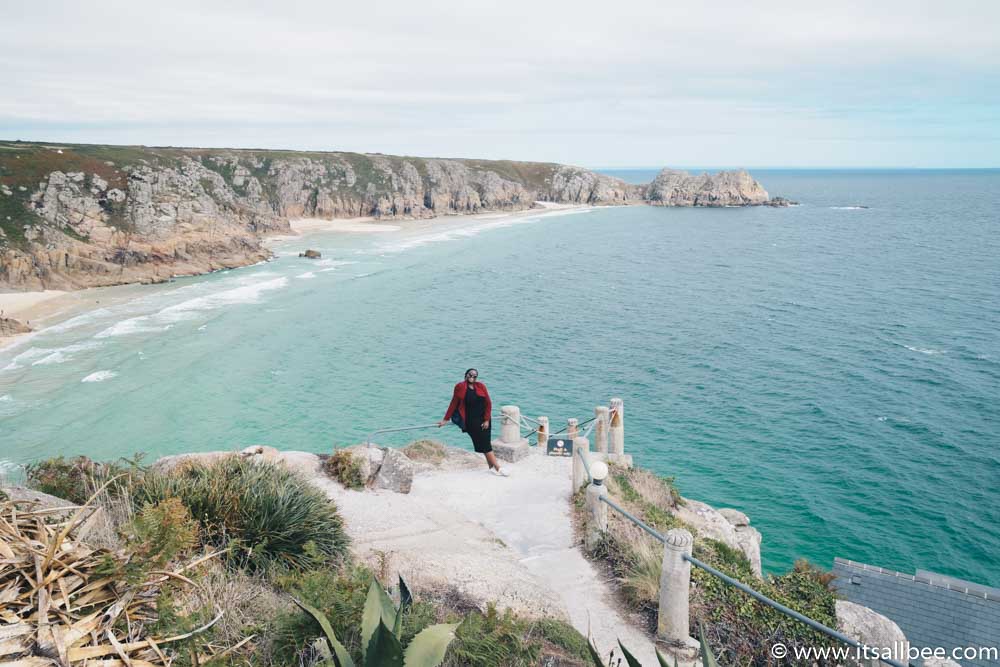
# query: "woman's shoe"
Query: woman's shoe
500,472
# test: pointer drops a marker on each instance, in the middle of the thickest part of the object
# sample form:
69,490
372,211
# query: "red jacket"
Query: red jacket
458,400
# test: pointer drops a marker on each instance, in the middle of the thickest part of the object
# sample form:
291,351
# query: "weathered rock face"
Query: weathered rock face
11,327
726,188
871,628
84,216
748,538
729,526
384,467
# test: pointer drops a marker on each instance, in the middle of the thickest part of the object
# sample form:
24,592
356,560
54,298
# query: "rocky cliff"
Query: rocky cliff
76,216
726,188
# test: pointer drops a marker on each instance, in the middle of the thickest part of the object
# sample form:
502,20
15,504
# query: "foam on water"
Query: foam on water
40,356
248,291
99,376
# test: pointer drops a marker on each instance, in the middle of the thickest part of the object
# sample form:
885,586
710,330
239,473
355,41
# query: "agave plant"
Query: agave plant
707,657
381,627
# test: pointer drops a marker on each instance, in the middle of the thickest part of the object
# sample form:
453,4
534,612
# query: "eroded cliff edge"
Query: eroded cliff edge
74,216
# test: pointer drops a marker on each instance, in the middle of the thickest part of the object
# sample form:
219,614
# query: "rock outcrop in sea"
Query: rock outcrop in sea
726,188
75,216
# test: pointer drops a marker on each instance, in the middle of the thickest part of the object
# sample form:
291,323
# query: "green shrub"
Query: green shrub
264,514
345,467
564,636
160,533
493,638
340,599
70,480
737,626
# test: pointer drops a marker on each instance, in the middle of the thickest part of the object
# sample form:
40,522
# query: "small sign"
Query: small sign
560,446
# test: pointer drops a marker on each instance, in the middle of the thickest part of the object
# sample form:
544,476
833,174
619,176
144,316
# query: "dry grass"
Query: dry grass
61,602
429,451
250,602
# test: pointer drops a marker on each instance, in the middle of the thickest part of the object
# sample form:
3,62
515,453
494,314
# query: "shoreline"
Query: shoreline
45,308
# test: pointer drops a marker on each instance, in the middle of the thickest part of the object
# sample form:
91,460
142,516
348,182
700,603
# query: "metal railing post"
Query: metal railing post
581,448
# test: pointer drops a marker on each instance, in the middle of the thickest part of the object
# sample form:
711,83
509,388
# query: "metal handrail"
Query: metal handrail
816,625
586,464
368,441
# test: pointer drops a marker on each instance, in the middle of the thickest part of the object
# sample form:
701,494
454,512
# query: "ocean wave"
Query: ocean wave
44,356
924,350
849,208
333,262
307,275
248,291
6,398
133,325
78,321
99,376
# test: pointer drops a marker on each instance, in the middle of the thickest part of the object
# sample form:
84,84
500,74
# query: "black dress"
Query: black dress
474,418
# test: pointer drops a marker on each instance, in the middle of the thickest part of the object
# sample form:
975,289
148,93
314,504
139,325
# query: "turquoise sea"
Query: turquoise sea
832,370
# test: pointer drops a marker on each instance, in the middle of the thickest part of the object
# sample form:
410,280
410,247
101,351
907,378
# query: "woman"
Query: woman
471,402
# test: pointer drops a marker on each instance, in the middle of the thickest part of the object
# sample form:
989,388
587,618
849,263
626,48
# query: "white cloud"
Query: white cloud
631,82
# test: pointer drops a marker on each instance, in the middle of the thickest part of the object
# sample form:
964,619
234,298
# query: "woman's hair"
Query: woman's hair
470,370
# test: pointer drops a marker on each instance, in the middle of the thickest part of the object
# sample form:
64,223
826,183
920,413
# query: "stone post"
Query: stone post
672,623
616,431
597,514
601,429
510,446
581,446
543,433
572,428
510,423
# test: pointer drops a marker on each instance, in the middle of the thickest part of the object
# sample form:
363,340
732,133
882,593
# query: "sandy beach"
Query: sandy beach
305,225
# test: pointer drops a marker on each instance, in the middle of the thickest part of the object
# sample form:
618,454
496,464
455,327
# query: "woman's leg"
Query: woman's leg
491,459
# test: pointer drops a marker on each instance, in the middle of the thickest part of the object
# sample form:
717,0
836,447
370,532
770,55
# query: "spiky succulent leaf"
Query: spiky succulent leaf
378,609
405,597
707,657
427,649
341,658
629,658
384,650
594,654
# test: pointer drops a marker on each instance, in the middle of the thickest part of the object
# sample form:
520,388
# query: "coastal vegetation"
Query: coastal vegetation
236,561
342,466
738,628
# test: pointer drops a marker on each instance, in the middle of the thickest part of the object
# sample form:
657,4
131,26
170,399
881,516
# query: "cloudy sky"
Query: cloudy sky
610,83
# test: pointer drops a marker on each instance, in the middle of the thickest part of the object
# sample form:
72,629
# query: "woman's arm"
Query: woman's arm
451,407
